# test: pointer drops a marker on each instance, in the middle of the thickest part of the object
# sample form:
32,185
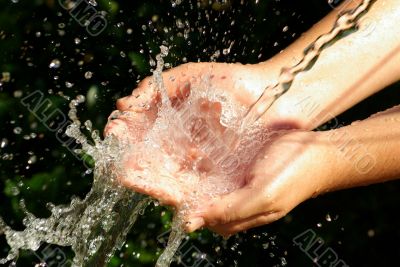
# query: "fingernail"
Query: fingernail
194,223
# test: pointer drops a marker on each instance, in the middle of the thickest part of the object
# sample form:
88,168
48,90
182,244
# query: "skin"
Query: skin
295,165
302,165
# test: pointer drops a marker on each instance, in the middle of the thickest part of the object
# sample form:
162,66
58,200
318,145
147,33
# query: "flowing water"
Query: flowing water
199,150
345,21
95,226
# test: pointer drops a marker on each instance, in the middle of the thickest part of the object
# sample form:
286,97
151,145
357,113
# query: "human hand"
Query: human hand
137,113
244,83
293,167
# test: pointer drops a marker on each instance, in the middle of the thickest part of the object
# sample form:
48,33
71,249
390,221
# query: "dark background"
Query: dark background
364,221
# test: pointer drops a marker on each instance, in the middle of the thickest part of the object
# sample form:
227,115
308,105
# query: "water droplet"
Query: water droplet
179,24
3,143
77,41
93,2
54,64
68,84
17,130
80,98
15,191
265,245
6,76
164,50
371,233
88,74
88,125
18,93
32,159
328,218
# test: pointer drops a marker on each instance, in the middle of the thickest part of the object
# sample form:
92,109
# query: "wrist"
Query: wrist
338,170
298,106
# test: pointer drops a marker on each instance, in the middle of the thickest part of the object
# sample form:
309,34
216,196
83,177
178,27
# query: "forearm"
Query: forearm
364,153
345,73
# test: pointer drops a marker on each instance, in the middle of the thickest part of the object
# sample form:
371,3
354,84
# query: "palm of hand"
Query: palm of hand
171,179
289,170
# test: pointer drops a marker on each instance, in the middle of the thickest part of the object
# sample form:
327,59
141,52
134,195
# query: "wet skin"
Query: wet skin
295,165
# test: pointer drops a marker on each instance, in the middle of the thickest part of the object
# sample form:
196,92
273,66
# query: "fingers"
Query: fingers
165,189
142,98
239,205
178,84
146,94
148,175
229,229
129,126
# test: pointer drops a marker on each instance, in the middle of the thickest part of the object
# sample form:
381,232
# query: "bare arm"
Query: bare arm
300,165
366,152
349,71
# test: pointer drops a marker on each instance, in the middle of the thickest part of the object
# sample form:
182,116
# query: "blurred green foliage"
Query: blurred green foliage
35,166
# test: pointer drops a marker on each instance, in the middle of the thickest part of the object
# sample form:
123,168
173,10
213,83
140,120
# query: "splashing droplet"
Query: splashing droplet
32,159
88,74
17,130
93,2
3,143
68,84
328,218
55,64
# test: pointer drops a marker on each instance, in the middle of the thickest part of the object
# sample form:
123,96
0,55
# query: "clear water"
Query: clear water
96,226
347,20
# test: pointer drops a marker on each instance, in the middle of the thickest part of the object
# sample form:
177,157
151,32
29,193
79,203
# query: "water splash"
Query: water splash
345,21
96,226
191,156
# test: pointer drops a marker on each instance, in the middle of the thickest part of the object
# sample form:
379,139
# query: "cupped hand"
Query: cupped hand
293,167
137,113
244,83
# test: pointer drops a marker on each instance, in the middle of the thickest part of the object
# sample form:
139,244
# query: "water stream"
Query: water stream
96,226
345,21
